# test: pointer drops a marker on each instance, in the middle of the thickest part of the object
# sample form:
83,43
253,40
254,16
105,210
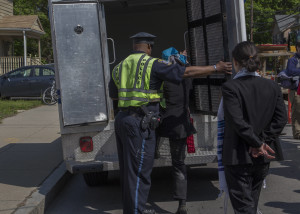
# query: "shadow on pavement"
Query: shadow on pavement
290,208
289,168
199,182
291,163
107,199
29,164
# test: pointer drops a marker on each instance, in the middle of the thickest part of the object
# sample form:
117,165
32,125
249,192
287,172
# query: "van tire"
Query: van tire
95,178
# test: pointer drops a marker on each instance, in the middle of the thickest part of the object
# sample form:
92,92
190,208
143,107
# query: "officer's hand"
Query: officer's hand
224,67
183,52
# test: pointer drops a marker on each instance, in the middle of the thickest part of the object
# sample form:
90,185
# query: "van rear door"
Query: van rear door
80,54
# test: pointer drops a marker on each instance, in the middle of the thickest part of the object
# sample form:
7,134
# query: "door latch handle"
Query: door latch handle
114,51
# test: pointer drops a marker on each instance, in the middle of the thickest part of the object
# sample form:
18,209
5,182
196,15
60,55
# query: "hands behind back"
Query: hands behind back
263,150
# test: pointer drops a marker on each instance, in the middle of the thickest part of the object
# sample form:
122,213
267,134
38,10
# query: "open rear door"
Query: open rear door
80,52
214,28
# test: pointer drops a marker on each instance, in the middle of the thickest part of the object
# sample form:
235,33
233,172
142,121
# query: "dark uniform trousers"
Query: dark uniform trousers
136,150
178,147
244,184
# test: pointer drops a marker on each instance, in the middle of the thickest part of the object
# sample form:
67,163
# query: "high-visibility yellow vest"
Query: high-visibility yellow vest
132,78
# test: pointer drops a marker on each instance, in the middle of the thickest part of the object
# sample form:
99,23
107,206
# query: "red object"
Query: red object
289,110
298,92
190,142
86,144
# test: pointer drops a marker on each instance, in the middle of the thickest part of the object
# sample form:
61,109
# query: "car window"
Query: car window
43,72
48,72
37,72
20,73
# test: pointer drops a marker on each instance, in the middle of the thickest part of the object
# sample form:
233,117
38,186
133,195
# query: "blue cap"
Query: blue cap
143,37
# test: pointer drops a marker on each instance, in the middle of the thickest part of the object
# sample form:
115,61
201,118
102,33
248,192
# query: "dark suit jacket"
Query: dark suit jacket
254,113
176,122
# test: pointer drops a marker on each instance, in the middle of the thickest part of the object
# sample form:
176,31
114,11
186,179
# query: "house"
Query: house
282,27
6,9
17,27
296,25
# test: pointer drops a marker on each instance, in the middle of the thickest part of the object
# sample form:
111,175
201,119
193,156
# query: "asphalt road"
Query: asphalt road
282,194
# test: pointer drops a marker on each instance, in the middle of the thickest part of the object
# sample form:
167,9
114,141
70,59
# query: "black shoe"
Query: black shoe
181,210
149,212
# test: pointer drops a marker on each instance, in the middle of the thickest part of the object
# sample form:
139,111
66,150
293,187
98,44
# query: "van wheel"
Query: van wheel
95,178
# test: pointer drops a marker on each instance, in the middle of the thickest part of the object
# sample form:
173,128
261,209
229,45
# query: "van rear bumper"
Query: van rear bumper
76,167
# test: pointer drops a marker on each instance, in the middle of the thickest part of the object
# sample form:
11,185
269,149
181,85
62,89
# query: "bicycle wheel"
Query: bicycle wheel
49,97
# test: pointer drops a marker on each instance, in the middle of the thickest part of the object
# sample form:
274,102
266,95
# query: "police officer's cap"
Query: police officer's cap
143,37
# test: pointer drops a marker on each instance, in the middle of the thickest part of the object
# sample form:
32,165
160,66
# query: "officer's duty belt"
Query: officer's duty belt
134,111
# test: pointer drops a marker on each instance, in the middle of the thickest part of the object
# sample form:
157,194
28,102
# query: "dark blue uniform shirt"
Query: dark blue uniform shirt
161,71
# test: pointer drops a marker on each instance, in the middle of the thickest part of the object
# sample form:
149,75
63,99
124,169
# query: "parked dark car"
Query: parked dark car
27,81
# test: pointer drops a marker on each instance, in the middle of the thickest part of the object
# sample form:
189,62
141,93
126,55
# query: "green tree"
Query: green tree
40,8
264,16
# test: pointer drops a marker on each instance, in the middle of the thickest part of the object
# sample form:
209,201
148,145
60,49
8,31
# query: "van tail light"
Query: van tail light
86,144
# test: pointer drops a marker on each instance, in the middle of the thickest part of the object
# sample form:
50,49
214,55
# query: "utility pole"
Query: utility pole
251,22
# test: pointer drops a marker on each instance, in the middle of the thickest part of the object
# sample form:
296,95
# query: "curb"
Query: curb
41,198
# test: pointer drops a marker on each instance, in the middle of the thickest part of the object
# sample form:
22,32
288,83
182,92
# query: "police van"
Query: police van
90,36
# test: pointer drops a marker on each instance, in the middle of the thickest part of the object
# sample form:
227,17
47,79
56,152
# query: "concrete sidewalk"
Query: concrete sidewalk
30,150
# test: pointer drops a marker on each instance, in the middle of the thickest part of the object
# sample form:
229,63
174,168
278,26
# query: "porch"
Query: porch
10,63
19,27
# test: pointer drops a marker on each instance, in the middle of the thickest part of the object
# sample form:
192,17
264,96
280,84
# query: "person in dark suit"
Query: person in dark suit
255,115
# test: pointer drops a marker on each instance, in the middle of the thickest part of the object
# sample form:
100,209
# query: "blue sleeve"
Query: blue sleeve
167,71
291,69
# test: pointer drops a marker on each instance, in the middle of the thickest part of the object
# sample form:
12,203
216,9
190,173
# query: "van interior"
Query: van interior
170,22
165,19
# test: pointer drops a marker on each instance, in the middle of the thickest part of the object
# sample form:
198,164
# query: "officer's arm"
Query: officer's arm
200,71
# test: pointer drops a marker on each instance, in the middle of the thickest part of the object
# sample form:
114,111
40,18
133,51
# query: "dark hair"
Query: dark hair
245,53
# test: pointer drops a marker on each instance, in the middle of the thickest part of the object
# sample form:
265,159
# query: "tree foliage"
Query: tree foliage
40,8
264,16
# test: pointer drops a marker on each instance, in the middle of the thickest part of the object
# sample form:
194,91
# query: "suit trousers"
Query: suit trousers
244,185
136,149
178,147
295,102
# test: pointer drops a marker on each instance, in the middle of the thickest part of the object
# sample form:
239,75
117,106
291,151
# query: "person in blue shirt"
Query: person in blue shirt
136,81
293,69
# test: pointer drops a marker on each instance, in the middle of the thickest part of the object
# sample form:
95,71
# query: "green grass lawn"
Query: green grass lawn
9,108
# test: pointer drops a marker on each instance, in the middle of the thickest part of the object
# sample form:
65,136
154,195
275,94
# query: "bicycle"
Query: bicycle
50,95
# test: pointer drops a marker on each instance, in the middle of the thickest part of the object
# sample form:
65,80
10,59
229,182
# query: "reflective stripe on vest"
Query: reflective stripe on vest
132,78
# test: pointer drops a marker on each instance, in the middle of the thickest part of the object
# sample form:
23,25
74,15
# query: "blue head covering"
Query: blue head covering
166,54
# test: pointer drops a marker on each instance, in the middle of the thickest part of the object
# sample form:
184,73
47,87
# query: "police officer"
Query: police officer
136,83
